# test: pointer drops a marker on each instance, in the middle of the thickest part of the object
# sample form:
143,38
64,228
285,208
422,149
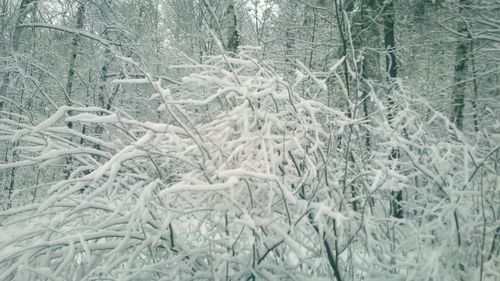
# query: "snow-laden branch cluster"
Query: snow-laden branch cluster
247,179
192,197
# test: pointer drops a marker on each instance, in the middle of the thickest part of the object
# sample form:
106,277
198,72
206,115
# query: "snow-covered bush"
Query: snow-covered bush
247,178
238,192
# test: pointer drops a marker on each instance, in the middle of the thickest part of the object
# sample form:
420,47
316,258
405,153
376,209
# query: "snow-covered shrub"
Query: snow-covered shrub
449,229
250,177
239,192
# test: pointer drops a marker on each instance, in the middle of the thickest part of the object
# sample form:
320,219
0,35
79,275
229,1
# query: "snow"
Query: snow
242,172
88,117
130,81
230,183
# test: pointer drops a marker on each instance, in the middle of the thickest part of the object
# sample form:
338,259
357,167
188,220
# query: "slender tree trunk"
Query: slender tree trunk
104,101
290,40
289,50
199,25
233,37
365,39
80,13
460,73
103,98
313,38
475,115
15,38
343,37
391,67
390,41
74,52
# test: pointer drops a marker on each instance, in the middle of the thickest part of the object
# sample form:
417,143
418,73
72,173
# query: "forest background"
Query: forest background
249,140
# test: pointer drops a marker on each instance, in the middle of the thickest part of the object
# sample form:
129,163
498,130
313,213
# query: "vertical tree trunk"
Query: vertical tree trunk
343,37
311,52
289,52
233,37
391,67
365,39
80,13
104,101
15,37
199,25
389,40
74,52
291,8
460,73
103,98
344,33
475,114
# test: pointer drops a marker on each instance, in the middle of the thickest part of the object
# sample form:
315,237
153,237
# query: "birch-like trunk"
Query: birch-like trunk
232,35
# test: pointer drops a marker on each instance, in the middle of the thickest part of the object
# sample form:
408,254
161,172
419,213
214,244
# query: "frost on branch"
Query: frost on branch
251,177
193,197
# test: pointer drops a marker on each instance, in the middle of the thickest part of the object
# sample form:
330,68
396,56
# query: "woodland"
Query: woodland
250,140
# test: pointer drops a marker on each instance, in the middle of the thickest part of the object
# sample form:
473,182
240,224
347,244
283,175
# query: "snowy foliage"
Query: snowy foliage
248,178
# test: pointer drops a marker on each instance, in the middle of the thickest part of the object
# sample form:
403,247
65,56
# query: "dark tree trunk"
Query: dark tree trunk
391,67
460,72
15,37
74,52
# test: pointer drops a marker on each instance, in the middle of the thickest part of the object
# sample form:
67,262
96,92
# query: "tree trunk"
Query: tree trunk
389,41
365,40
290,9
391,67
460,74
15,37
103,97
475,114
80,13
233,37
16,32
74,52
